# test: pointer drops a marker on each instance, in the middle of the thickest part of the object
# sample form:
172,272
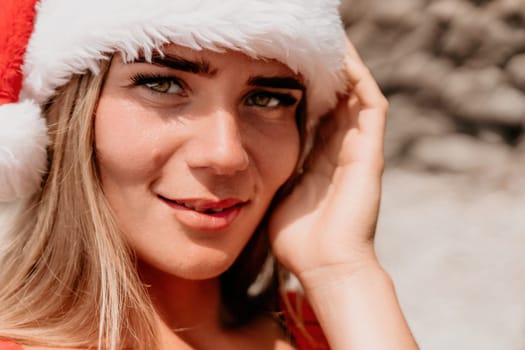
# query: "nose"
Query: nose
219,145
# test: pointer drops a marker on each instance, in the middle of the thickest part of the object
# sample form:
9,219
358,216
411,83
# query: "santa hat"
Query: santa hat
44,43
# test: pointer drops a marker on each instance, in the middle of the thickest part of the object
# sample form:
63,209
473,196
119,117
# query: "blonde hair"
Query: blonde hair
67,277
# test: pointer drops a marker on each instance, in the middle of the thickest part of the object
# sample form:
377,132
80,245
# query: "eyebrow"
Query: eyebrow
277,82
203,67
171,61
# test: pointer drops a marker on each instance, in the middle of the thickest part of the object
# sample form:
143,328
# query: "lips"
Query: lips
202,209
204,214
207,207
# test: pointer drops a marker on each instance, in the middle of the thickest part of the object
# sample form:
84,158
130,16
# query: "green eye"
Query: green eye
272,99
263,100
165,86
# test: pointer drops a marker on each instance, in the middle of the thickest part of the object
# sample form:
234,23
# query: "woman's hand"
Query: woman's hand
324,231
327,225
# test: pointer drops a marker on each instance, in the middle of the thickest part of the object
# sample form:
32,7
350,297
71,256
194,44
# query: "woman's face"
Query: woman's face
191,150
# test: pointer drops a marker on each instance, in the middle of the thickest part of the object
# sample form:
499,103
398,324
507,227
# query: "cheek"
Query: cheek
124,140
280,153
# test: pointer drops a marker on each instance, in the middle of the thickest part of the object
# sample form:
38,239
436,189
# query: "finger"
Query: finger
352,51
361,80
363,85
372,103
359,120
362,139
364,111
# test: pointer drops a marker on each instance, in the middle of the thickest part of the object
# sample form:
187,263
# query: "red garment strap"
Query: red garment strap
302,323
9,345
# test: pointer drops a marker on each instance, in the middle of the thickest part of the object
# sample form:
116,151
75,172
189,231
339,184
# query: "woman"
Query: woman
175,144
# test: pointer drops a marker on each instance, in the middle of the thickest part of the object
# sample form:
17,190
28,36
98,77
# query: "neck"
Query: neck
183,305
188,316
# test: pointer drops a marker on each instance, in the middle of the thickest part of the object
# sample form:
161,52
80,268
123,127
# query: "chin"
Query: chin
203,272
202,265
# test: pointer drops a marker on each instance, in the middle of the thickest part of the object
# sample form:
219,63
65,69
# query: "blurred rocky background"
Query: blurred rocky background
452,227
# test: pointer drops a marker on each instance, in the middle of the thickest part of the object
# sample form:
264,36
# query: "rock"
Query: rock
484,96
500,42
465,30
353,11
377,32
392,12
448,10
409,122
380,11
503,105
516,70
475,36
418,72
512,12
448,67
459,153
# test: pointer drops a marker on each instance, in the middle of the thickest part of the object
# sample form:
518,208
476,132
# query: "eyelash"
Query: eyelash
141,79
285,100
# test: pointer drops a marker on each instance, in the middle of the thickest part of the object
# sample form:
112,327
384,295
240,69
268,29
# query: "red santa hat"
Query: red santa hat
44,43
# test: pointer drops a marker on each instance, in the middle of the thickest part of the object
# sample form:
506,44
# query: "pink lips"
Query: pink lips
203,214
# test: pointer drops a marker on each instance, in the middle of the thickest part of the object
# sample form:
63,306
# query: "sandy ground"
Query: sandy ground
453,246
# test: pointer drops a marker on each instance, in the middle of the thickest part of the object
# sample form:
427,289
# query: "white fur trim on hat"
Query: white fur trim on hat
72,36
23,142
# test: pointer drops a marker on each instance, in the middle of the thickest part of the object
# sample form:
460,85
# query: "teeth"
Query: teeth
213,211
188,206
